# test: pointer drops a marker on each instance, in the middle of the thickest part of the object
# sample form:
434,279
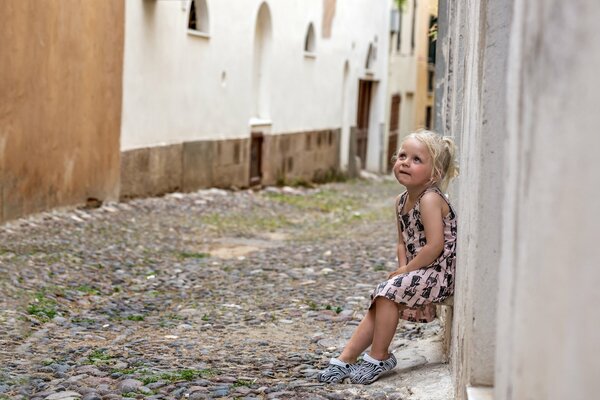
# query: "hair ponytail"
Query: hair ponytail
448,162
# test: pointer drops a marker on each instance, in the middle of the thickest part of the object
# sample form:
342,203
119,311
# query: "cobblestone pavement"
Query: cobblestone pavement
212,294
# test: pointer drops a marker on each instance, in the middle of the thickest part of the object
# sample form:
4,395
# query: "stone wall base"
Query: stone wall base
286,159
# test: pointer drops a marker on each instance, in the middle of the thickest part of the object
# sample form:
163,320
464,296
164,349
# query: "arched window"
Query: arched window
262,62
198,21
310,40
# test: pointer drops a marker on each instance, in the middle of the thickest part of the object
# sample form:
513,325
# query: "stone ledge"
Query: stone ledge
480,393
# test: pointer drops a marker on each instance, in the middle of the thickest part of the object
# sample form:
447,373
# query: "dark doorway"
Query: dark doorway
362,120
256,145
394,128
428,117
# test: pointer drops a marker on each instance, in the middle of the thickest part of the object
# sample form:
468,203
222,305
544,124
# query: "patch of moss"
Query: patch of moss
99,356
178,376
42,307
185,254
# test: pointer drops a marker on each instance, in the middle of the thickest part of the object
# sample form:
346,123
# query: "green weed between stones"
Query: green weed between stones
325,200
42,307
242,382
185,254
315,307
177,376
87,289
337,309
99,356
82,321
312,305
170,320
125,371
379,267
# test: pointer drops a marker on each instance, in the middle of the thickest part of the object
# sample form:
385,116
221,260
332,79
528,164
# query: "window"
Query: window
396,28
412,31
399,35
310,40
428,117
431,39
430,77
395,113
198,22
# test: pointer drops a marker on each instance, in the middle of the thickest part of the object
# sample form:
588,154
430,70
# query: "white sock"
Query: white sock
372,360
339,363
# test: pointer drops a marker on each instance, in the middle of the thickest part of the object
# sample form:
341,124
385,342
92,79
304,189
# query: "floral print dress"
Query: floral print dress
419,290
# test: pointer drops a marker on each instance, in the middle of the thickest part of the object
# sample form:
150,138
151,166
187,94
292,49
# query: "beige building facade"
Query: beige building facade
61,70
520,95
410,92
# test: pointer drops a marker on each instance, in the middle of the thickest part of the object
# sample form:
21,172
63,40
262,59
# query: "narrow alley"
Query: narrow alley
210,294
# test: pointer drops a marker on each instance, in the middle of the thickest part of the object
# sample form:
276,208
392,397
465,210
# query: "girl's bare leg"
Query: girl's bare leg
386,322
361,338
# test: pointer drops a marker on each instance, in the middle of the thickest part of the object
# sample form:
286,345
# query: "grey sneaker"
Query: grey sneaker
336,371
370,369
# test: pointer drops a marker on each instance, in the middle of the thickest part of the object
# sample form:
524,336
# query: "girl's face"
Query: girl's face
414,165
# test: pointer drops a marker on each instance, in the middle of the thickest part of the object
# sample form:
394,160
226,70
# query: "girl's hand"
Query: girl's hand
399,271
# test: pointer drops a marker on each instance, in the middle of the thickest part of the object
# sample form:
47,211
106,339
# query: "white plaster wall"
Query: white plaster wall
467,202
550,320
476,94
173,91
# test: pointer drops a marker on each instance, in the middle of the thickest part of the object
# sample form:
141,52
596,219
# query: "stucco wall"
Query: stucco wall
474,112
183,88
550,319
521,95
60,81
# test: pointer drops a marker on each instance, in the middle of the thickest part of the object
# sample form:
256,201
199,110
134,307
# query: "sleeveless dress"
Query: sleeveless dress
419,290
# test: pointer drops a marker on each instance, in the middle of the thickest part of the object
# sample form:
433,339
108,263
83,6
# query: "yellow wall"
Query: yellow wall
423,97
60,111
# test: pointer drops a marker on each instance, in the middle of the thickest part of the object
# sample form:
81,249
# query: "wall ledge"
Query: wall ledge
480,393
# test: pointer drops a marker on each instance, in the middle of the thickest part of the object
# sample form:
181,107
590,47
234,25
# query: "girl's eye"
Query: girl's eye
417,160
401,156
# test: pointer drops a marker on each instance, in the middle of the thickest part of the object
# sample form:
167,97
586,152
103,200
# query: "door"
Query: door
394,125
256,144
362,120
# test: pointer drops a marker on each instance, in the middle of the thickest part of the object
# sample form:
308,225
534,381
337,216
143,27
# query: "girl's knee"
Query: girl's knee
384,300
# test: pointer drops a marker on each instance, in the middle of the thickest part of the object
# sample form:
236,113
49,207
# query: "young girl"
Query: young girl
426,251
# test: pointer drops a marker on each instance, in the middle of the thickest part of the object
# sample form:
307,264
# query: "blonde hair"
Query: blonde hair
443,154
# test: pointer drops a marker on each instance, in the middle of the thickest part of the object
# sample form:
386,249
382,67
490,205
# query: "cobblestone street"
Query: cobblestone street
212,294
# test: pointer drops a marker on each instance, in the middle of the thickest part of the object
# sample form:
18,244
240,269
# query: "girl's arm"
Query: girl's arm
401,247
401,253
432,208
